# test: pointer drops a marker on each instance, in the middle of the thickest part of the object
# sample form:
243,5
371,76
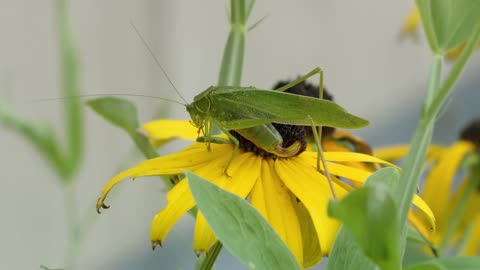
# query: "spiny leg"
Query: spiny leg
317,135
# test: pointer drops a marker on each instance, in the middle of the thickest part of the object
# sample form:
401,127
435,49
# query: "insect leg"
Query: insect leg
235,150
303,78
321,157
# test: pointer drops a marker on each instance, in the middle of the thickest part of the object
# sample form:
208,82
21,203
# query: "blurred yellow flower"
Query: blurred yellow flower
443,194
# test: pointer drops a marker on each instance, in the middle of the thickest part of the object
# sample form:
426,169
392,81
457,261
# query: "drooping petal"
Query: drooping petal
312,189
164,130
203,236
271,198
243,172
191,158
312,253
439,179
179,201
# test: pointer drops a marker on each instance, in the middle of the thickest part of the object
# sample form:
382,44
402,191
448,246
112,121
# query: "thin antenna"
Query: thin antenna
104,95
156,60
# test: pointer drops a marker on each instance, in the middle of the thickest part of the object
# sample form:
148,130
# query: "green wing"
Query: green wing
236,108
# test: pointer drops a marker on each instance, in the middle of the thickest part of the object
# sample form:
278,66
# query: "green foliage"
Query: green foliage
123,114
454,263
370,215
64,159
448,23
239,226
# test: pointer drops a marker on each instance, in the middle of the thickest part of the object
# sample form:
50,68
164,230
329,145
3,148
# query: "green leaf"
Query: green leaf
120,112
370,215
453,263
414,236
40,135
239,226
448,23
123,114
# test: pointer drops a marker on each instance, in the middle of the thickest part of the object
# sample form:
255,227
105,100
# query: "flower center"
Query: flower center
289,133
471,133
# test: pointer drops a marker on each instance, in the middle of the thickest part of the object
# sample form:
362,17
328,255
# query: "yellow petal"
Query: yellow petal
203,236
396,152
439,180
190,158
243,172
346,157
412,22
312,189
271,198
425,210
161,131
179,201
311,246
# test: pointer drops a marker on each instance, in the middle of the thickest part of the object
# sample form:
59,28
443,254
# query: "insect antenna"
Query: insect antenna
156,60
104,95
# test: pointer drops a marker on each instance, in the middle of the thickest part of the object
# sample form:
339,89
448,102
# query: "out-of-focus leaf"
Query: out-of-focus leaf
41,136
239,226
452,263
123,114
448,23
120,112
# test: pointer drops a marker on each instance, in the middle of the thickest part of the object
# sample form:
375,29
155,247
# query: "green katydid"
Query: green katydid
251,112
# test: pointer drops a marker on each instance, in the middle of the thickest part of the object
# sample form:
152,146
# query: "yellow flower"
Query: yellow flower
289,192
440,190
410,28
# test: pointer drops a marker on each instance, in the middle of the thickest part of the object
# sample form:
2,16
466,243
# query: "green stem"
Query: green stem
212,256
232,60
417,153
72,228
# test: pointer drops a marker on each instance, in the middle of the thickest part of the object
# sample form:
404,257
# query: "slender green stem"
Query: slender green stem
434,81
71,221
466,237
417,153
212,256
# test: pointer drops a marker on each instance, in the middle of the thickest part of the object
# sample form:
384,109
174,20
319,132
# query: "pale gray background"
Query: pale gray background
370,71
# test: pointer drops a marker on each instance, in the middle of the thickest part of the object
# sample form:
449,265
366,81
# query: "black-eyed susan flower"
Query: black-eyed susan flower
454,203
410,28
289,192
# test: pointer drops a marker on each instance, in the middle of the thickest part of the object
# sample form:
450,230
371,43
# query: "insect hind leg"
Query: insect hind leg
321,157
316,70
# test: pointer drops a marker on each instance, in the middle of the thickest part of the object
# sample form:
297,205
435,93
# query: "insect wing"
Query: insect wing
246,107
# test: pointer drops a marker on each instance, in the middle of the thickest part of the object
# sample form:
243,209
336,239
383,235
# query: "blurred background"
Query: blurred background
370,70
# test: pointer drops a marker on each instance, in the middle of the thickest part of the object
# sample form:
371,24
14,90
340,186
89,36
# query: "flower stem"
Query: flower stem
71,221
211,256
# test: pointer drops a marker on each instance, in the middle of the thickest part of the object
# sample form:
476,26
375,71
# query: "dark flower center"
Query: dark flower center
289,133
471,133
